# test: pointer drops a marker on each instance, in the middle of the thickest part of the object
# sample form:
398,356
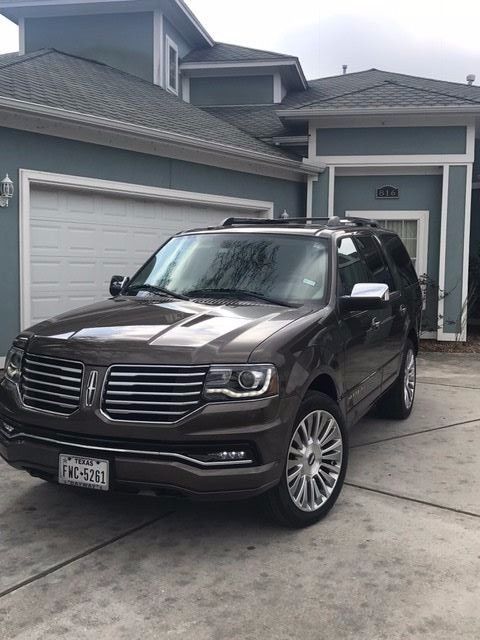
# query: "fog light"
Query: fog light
238,456
8,427
232,455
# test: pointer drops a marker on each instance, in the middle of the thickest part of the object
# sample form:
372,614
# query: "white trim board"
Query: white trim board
466,250
171,44
427,170
27,178
396,160
443,250
2,362
158,50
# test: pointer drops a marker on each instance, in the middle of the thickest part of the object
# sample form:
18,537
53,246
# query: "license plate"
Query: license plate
90,473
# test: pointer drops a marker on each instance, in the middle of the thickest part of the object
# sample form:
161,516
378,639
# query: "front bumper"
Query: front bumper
160,458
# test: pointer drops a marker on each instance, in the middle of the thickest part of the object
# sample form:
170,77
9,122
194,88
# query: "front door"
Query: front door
360,329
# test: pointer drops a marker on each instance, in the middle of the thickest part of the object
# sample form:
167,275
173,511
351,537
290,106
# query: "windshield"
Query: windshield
278,268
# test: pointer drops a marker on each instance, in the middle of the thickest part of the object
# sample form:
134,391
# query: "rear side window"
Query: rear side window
400,259
375,261
351,266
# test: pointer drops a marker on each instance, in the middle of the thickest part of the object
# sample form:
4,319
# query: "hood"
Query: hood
152,331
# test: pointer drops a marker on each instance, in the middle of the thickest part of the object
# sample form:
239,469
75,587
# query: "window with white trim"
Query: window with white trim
171,71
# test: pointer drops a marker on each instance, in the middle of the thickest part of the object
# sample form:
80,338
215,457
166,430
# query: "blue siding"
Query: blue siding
183,46
25,150
320,195
357,193
232,90
364,141
121,40
454,255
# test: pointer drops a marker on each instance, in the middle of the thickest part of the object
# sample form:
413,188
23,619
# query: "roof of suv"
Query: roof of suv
298,226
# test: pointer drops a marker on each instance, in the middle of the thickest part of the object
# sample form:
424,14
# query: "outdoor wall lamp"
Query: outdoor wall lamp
6,191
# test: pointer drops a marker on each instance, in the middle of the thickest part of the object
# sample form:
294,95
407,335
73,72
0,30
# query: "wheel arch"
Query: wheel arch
325,383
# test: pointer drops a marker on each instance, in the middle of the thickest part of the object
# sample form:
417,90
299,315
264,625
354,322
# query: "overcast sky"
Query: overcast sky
433,38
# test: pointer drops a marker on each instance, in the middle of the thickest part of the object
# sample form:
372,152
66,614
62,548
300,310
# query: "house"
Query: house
123,121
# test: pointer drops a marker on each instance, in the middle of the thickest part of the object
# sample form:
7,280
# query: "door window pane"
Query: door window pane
408,232
351,267
379,271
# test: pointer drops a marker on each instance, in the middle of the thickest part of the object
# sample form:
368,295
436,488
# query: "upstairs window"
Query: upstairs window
172,66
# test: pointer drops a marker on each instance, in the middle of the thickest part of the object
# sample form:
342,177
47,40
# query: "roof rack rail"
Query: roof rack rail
335,221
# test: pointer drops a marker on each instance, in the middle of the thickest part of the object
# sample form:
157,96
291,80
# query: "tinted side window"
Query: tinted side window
351,267
400,259
379,270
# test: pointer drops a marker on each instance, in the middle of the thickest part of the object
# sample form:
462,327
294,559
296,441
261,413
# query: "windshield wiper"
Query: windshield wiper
154,289
235,293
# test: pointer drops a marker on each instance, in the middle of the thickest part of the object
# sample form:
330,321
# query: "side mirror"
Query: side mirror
365,296
117,283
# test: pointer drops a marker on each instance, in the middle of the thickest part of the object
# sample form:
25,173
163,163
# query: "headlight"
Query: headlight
13,364
241,381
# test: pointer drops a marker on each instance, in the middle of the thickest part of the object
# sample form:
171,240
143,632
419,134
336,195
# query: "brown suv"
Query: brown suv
230,365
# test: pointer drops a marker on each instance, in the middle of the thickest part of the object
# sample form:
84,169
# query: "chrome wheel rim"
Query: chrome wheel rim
409,379
314,460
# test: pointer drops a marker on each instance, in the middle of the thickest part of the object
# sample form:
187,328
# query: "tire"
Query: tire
397,403
304,494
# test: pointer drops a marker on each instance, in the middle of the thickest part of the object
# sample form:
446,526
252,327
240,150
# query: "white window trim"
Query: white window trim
27,178
158,52
170,44
422,218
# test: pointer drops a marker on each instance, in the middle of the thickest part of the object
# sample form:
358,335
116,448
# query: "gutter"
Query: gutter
305,113
156,135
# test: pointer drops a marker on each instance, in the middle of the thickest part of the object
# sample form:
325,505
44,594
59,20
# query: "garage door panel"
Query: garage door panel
79,239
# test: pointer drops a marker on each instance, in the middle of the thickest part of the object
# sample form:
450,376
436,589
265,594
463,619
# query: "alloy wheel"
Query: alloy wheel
314,460
409,379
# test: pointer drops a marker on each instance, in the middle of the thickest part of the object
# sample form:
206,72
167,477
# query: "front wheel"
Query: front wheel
315,465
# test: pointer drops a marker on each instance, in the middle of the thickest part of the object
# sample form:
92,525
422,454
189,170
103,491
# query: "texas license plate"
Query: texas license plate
90,473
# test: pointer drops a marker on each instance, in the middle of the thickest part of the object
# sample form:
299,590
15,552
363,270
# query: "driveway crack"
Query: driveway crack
426,503
415,433
83,554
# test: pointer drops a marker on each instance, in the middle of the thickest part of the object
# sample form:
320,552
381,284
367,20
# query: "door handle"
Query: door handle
375,324
403,309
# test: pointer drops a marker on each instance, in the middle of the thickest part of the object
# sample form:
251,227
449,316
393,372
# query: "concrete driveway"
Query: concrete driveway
399,556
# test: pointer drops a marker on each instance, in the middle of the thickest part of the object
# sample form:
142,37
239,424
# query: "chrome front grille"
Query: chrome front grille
51,384
157,393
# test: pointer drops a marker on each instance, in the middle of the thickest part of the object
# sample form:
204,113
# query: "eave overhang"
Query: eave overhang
139,132
306,114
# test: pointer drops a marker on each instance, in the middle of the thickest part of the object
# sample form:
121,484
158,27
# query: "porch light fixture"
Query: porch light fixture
6,191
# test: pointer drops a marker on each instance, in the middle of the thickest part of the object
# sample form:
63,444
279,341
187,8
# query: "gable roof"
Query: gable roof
223,52
75,86
374,89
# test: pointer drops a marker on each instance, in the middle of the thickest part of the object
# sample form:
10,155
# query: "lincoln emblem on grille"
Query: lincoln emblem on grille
91,388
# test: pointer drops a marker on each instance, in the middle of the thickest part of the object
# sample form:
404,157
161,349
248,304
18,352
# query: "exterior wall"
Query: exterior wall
320,195
475,224
232,90
417,192
475,221
390,141
23,150
174,34
123,41
455,233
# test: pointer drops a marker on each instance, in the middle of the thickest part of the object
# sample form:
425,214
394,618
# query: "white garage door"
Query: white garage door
79,239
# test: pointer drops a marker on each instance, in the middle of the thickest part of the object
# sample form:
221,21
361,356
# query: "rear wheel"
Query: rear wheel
315,464
397,403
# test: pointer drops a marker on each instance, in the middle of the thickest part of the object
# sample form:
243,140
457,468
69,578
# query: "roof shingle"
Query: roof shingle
223,52
381,88
60,80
